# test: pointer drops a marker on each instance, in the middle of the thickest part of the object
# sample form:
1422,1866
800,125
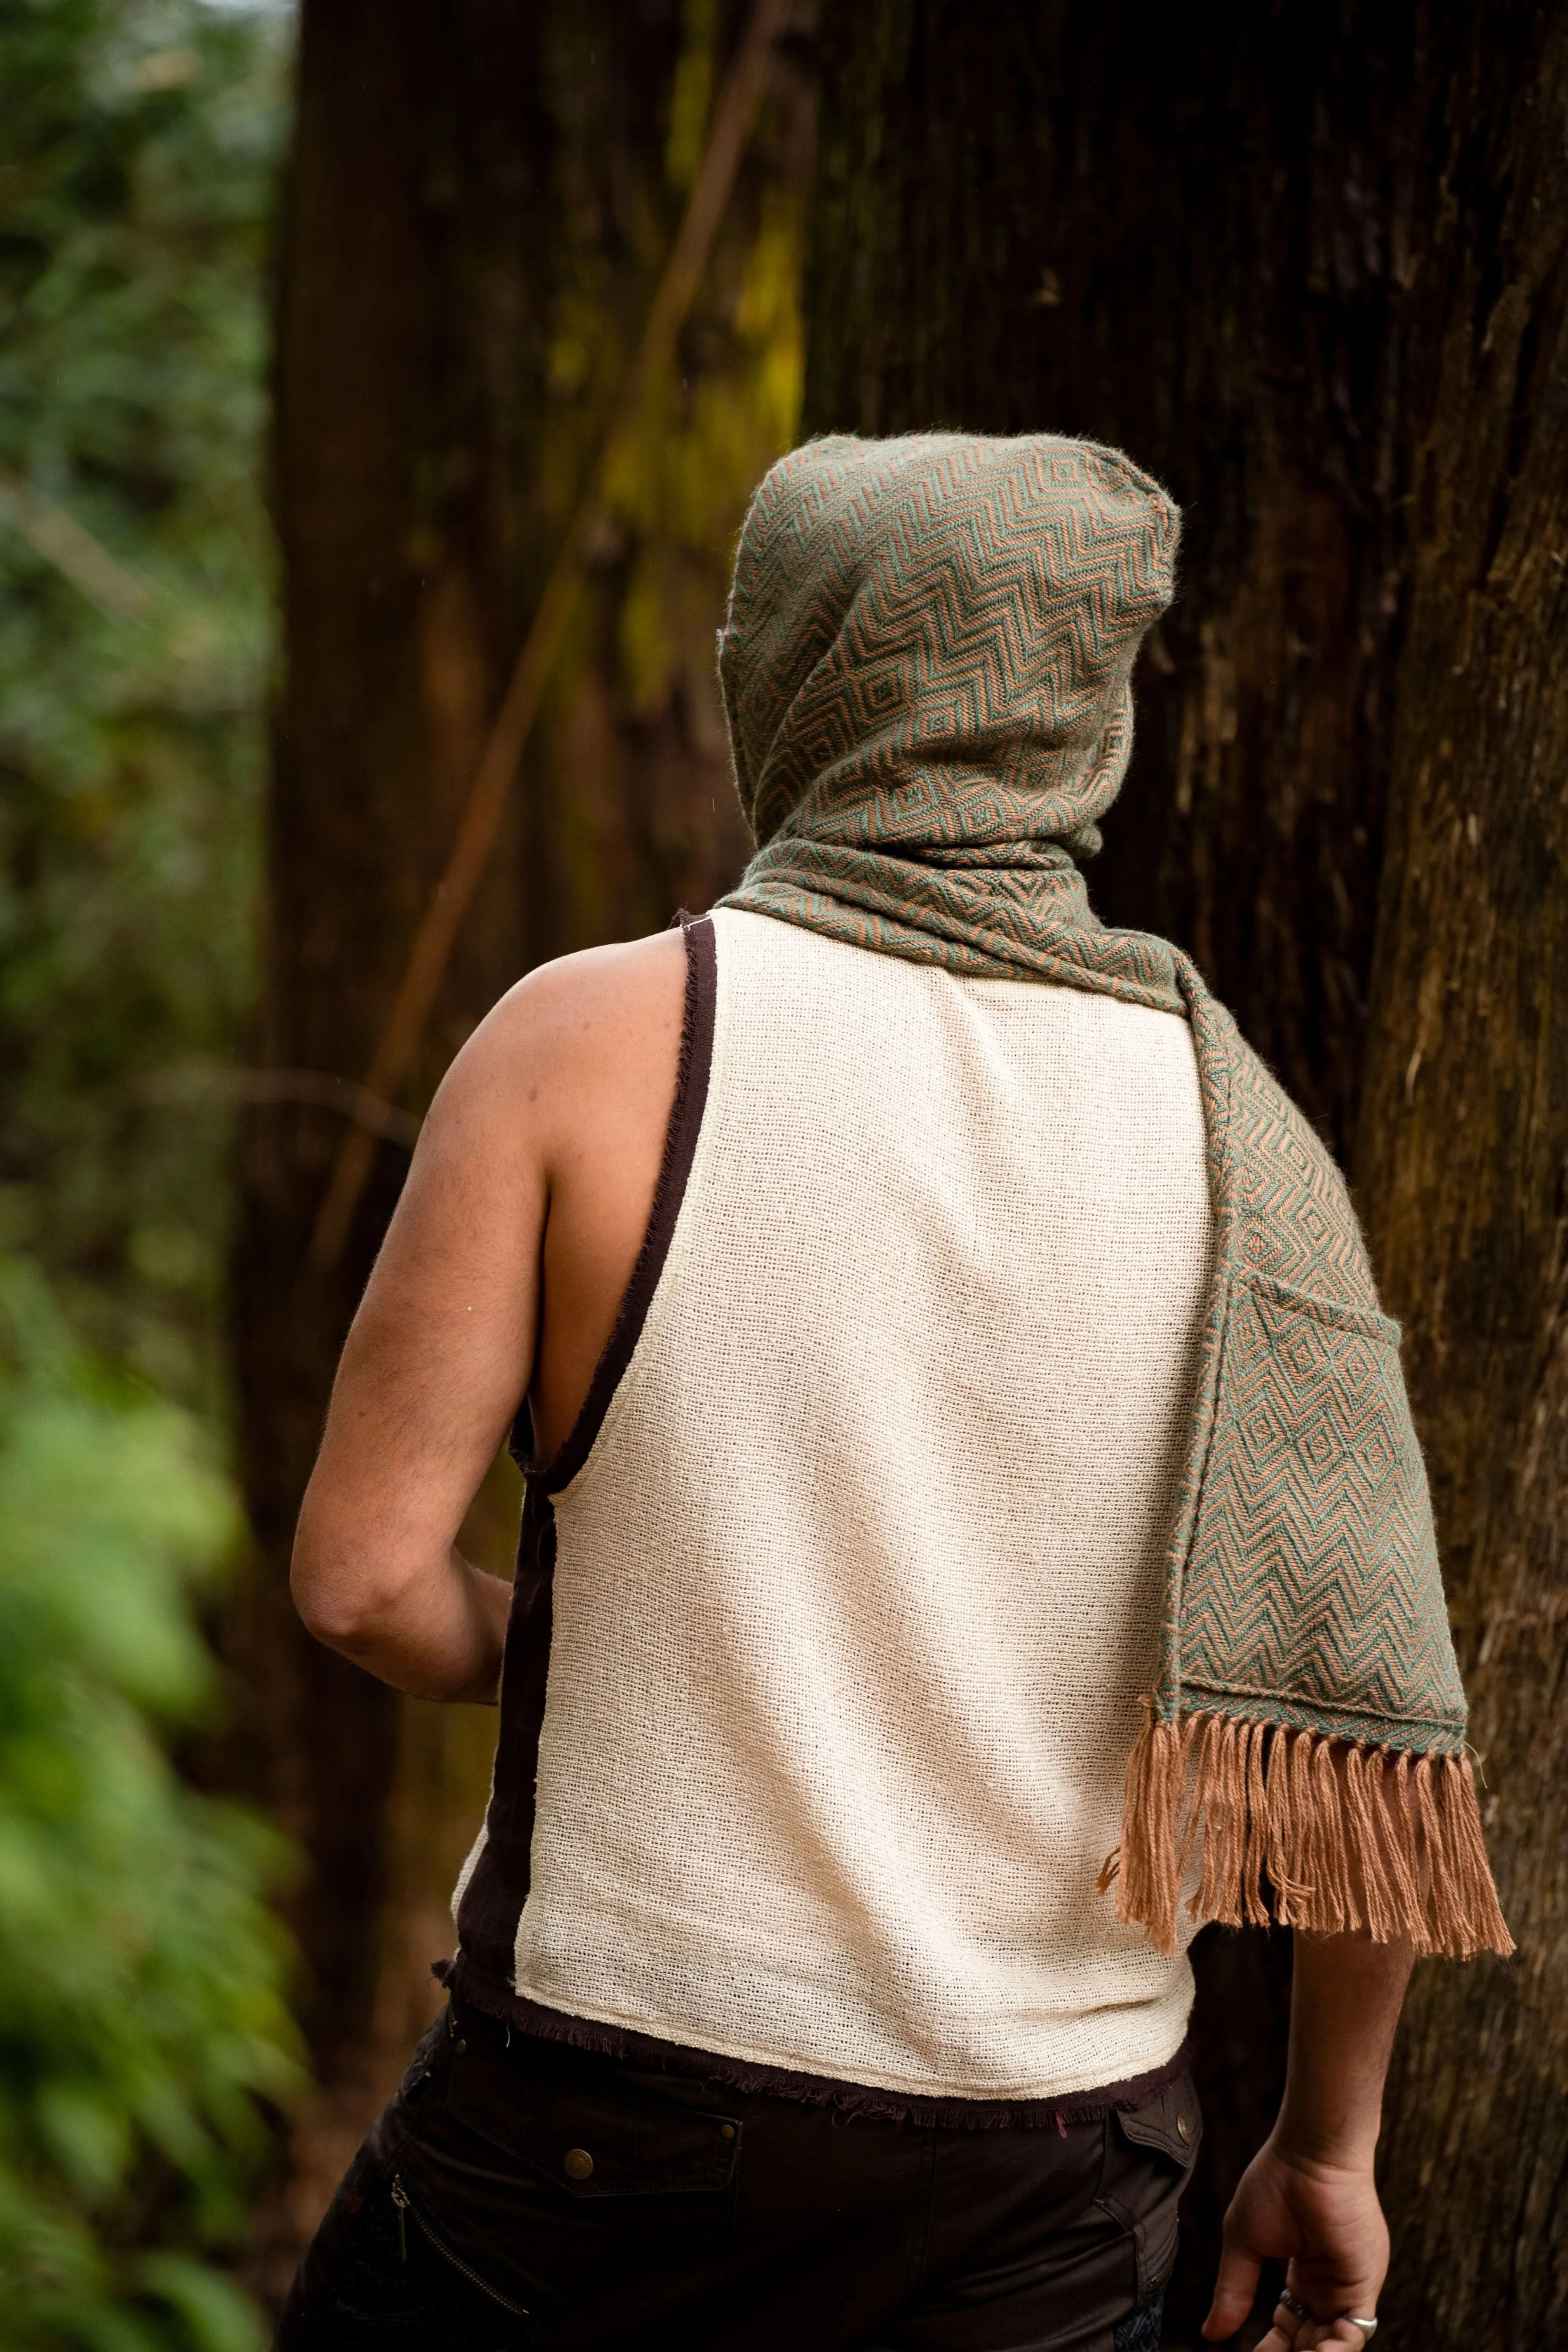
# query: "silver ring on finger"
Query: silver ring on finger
1368,2326
1294,2305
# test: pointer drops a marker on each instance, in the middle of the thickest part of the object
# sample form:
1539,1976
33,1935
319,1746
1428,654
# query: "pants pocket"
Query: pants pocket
549,2173
373,2278
1150,2153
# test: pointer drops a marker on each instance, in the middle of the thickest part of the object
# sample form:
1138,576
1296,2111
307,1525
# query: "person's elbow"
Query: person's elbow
342,1594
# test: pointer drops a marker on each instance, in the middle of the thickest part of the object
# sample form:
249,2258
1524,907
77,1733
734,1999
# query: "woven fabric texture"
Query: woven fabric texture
850,1632
925,668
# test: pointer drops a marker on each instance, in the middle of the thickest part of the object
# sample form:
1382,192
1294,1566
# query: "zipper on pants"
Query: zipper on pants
406,2205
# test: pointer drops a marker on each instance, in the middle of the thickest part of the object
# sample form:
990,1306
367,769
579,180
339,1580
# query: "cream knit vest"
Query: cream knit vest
858,1587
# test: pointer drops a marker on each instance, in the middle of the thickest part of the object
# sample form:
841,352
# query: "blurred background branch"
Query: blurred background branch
79,558
479,823
219,1082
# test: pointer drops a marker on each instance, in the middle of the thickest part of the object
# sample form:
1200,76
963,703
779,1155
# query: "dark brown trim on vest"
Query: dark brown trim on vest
680,1150
495,1895
482,1973
468,1986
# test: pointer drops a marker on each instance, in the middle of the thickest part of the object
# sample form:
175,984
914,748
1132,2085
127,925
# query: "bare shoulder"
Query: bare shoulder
602,1024
604,999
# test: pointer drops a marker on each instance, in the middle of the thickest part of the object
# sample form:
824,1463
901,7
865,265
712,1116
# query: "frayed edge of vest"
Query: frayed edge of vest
850,2101
1304,1832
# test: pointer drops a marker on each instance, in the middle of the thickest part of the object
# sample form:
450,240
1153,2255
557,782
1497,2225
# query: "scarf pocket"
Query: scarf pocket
1311,1581
1305,1762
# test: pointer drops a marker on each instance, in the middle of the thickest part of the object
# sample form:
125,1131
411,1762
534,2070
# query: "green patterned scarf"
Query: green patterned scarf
926,667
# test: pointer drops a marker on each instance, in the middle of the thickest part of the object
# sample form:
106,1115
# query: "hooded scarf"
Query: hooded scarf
926,670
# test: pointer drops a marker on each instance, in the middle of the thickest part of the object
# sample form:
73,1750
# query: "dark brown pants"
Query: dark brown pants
520,2195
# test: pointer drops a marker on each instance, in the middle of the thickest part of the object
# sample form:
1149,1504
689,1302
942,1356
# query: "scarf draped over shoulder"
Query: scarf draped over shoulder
926,668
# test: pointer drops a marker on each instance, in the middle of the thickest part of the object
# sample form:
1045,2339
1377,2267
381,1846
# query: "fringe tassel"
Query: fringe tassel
1321,1835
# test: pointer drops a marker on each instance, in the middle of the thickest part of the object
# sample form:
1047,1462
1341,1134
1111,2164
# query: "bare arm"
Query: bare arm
1309,2196
435,1364
533,1174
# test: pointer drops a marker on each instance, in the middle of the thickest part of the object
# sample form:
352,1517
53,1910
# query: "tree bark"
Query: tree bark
1463,1162
480,200
412,353
1308,268
1187,236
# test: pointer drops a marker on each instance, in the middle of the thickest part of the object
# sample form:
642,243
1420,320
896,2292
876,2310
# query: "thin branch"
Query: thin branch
480,821
63,541
196,1082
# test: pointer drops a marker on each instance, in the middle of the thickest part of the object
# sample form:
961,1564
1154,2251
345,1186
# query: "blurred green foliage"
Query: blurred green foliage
140,2011
138,156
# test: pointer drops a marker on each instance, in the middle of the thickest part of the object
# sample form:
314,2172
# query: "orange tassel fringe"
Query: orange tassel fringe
1315,1833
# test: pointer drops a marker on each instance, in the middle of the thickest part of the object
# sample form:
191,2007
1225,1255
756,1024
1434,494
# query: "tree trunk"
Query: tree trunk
480,200
1187,236
1306,267
1463,1163
413,343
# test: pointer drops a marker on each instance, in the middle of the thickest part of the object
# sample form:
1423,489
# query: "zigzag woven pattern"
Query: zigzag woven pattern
1312,1562
925,668
1311,1582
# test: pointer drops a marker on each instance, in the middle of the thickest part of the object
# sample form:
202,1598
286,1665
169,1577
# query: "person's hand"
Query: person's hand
1325,2222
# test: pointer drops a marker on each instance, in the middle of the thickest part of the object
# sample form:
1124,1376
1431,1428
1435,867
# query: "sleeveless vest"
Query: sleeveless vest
835,1610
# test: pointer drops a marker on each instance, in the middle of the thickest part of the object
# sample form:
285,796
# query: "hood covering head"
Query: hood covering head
926,671
929,646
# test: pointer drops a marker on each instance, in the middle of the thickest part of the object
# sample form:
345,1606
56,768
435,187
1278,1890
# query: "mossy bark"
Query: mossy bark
1309,268
410,377
479,202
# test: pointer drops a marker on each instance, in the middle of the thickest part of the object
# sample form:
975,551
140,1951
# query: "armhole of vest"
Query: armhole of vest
675,1170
